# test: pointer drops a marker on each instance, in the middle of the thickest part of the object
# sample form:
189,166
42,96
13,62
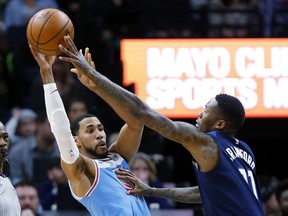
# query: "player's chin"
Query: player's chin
2,160
102,153
102,148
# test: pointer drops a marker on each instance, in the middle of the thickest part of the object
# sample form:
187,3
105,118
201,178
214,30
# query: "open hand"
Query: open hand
83,64
140,187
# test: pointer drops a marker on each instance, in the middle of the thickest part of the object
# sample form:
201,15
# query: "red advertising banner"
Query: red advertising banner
177,77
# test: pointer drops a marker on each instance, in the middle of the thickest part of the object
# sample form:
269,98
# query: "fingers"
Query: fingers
71,49
92,65
32,50
65,51
74,70
66,59
124,172
88,57
86,52
70,43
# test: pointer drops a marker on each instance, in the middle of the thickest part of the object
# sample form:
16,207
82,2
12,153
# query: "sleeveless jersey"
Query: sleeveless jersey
107,196
9,203
232,187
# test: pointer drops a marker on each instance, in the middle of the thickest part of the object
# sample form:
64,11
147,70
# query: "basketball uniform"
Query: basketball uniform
107,196
232,187
9,203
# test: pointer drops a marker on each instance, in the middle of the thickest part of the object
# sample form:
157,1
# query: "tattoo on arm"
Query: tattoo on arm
185,195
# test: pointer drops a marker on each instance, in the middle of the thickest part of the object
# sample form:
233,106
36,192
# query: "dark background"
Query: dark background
101,24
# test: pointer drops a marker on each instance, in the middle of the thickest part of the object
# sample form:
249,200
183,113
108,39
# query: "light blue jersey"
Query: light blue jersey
232,187
107,196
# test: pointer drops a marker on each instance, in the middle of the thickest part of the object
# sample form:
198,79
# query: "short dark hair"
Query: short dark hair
74,127
232,110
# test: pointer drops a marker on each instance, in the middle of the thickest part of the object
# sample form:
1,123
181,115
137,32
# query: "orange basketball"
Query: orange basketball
46,30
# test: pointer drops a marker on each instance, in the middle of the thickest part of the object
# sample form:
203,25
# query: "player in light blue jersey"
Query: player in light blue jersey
225,167
85,158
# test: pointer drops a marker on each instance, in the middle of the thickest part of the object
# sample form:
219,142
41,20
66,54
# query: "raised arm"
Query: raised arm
129,106
73,164
130,135
185,194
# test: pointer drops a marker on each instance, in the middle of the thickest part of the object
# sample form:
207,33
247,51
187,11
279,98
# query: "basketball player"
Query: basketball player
85,158
224,166
9,203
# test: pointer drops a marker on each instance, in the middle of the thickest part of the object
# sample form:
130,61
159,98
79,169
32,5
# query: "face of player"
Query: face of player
4,143
208,120
92,138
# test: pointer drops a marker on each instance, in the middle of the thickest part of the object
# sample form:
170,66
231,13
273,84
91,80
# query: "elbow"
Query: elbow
141,110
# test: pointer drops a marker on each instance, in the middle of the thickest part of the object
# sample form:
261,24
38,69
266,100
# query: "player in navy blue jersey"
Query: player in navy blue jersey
225,166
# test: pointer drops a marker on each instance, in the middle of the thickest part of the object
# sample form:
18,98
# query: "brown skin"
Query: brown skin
4,145
91,139
185,194
201,146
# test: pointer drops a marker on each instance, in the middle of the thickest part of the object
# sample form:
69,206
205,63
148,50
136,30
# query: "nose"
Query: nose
200,114
3,142
99,134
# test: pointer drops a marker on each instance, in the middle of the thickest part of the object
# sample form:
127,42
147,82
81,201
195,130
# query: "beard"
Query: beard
101,155
97,154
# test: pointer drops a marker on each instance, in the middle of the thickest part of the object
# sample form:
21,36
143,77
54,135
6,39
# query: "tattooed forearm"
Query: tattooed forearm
186,195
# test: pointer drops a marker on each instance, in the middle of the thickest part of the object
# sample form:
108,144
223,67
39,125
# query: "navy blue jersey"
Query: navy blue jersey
232,187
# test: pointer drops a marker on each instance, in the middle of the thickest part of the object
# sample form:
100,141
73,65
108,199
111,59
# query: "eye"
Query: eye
91,130
5,138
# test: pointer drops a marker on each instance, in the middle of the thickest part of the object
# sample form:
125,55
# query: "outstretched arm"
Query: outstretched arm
129,137
72,162
185,194
125,103
130,107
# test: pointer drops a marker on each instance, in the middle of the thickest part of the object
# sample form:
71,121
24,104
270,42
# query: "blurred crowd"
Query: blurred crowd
101,24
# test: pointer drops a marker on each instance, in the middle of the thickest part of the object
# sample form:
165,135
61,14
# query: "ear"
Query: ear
220,125
77,141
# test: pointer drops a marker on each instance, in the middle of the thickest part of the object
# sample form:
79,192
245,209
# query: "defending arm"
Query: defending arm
60,124
185,195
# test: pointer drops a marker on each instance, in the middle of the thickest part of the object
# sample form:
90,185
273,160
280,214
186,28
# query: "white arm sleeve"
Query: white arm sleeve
60,124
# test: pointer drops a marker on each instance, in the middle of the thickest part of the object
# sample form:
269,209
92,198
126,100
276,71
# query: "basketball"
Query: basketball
46,30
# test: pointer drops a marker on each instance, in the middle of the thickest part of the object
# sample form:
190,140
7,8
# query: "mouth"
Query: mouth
101,144
4,153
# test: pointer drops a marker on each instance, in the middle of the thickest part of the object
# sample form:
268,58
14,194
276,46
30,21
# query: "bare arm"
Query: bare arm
131,107
185,194
130,135
77,170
